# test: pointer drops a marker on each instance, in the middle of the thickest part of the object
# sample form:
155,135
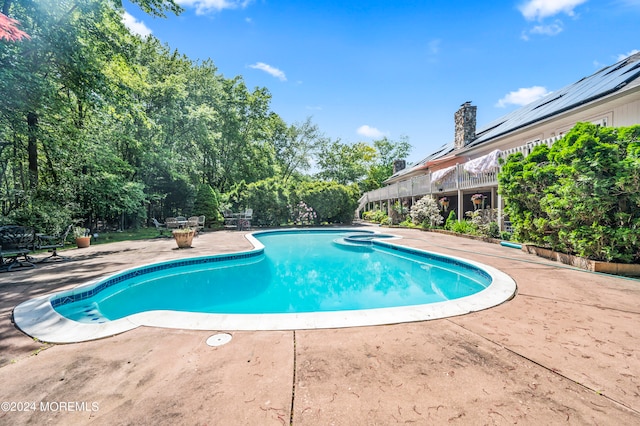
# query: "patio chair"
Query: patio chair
230,221
160,227
52,243
192,222
245,219
172,223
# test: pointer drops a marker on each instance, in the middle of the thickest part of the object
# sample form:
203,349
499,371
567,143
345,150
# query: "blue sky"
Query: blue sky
364,70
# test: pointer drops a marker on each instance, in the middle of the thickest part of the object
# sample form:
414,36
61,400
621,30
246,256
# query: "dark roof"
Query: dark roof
605,81
442,151
608,80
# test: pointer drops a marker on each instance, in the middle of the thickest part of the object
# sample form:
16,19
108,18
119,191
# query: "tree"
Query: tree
360,163
72,80
296,145
344,163
387,151
9,29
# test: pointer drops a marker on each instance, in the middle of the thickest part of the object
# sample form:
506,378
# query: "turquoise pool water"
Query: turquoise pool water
297,272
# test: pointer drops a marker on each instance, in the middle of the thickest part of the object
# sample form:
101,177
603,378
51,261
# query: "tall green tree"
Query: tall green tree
387,151
54,87
296,145
345,163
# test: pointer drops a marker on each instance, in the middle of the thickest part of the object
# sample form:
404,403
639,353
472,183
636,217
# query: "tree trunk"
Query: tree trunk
32,148
5,7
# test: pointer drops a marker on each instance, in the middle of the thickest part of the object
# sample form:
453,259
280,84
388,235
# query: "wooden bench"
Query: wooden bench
16,242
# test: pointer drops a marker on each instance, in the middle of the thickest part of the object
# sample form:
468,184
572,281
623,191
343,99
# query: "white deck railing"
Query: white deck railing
458,179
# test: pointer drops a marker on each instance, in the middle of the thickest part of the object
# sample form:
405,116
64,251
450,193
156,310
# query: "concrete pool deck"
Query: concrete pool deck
566,349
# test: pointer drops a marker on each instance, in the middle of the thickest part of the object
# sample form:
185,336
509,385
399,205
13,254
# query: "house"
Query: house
469,164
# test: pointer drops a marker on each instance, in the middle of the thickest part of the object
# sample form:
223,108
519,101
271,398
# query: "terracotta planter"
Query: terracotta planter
477,201
183,238
83,242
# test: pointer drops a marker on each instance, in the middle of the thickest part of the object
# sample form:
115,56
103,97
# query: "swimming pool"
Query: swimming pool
292,279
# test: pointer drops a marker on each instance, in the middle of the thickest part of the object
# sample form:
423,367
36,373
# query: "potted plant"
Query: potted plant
477,199
444,203
83,236
184,237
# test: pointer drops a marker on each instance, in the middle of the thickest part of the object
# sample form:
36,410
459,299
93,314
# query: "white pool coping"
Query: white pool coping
37,317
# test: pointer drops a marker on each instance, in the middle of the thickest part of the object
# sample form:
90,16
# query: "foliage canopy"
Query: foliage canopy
99,124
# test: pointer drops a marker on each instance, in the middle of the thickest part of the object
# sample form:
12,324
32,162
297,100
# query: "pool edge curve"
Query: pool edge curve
38,319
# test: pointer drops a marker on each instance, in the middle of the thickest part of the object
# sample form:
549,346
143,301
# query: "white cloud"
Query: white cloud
207,6
523,96
135,26
626,55
369,132
540,9
550,30
269,70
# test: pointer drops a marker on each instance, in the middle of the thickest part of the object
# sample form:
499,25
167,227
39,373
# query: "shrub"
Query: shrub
399,212
451,220
581,196
484,221
407,223
270,202
506,236
426,212
207,203
332,202
45,216
493,231
376,216
463,227
303,214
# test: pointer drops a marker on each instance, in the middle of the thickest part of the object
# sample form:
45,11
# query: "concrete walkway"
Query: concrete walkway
564,350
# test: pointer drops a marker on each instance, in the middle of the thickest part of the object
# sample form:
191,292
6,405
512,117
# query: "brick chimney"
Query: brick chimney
465,120
399,165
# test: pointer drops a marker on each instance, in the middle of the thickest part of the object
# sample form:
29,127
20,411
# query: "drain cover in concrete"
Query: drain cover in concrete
219,339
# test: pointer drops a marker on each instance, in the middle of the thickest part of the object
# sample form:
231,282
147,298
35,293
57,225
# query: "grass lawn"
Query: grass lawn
116,236
126,235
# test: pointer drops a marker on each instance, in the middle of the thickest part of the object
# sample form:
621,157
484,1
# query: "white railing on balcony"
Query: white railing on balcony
458,179
470,181
526,149
421,185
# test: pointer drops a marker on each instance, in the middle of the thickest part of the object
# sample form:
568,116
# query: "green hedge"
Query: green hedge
581,196
275,203
332,202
